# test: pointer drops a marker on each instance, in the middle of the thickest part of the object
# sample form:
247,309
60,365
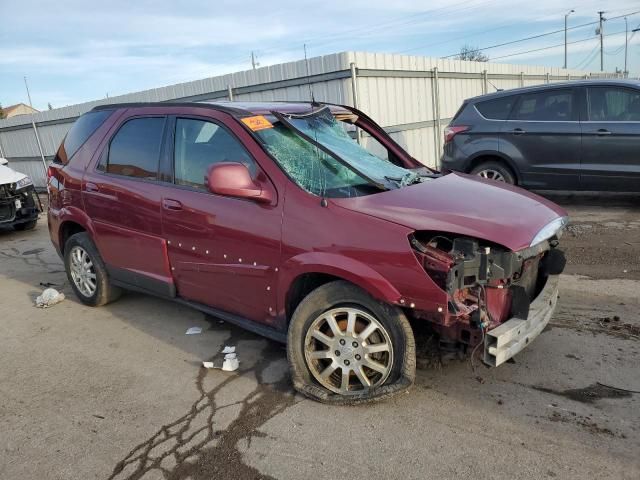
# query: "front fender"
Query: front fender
339,266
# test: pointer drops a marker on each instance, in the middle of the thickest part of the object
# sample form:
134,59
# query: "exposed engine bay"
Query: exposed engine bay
486,284
18,204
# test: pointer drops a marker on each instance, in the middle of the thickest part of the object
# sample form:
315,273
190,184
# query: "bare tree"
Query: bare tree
2,114
472,54
49,106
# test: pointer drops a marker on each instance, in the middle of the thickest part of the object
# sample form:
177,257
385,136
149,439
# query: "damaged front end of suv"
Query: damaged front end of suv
19,202
495,296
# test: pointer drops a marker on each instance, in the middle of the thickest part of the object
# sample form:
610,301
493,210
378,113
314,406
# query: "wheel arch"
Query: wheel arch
305,273
73,221
493,156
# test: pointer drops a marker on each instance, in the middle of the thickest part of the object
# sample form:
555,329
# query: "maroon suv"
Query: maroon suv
271,216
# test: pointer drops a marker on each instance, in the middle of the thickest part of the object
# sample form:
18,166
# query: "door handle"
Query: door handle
91,187
518,131
170,204
603,131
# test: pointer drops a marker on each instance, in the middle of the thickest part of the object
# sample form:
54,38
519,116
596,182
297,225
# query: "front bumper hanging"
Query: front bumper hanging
506,340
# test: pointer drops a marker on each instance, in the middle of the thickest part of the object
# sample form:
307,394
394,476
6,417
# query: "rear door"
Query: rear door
611,139
224,251
542,136
121,195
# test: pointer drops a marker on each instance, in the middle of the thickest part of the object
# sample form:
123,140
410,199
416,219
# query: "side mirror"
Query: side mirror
233,179
3,161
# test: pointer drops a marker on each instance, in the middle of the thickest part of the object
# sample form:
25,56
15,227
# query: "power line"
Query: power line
553,46
589,58
537,36
477,32
395,23
586,62
633,32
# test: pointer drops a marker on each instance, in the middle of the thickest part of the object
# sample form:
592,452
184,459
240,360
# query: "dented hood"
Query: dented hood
465,205
8,175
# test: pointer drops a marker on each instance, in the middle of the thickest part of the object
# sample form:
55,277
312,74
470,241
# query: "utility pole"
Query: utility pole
254,64
565,36
28,94
626,46
35,130
601,32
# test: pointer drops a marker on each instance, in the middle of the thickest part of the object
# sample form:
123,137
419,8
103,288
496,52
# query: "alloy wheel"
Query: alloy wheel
82,271
347,350
491,174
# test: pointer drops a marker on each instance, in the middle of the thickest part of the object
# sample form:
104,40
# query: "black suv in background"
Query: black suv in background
581,135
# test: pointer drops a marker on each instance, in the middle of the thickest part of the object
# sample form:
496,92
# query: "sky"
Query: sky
76,51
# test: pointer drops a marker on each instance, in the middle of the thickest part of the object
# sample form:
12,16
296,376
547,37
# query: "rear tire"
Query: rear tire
87,273
26,225
346,347
495,171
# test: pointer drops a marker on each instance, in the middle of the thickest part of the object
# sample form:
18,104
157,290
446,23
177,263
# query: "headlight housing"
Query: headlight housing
23,182
552,228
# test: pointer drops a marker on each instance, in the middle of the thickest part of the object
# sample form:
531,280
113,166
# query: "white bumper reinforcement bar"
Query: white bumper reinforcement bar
506,340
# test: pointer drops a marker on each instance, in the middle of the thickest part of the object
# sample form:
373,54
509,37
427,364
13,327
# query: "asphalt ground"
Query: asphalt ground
119,392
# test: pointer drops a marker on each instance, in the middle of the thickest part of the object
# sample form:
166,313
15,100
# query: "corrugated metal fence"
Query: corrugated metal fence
412,97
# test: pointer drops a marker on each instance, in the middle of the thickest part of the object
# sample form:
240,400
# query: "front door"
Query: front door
611,140
544,132
224,251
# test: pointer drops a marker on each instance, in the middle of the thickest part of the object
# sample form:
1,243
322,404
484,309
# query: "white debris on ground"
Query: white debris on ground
193,331
230,363
49,297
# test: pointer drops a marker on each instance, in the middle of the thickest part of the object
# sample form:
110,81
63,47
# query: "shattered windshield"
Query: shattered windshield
335,165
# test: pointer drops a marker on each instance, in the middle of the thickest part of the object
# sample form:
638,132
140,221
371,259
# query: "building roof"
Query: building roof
11,110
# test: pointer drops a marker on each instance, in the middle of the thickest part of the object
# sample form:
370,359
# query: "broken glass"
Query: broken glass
354,172
314,170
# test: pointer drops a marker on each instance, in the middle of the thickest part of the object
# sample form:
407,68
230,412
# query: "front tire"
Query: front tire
346,347
87,273
494,171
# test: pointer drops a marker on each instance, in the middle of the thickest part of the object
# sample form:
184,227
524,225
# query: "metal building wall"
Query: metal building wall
412,97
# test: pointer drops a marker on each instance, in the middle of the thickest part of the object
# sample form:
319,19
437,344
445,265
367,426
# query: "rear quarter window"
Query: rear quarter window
497,109
80,132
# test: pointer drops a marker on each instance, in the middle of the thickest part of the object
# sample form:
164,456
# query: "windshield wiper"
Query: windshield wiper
407,179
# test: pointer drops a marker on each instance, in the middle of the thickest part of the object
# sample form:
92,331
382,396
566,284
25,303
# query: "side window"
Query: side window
614,104
135,149
497,109
198,144
79,133
549,106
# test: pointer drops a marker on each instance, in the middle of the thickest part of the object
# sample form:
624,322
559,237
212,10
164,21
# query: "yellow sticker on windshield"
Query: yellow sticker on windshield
259,122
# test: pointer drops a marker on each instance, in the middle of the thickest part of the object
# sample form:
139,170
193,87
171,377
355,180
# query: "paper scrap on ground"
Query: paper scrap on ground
49,297
194,331
230,364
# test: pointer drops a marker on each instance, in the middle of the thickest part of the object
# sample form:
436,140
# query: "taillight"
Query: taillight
450,132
